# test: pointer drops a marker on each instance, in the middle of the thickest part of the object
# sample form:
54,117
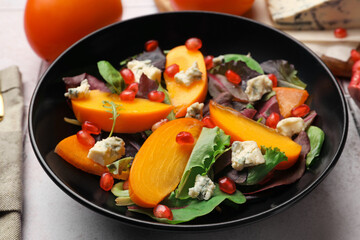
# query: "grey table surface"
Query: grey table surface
331,211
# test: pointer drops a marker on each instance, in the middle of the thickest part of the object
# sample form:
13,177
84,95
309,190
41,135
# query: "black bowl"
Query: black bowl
220,34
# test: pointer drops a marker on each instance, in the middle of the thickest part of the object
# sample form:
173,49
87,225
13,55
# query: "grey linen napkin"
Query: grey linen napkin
11,154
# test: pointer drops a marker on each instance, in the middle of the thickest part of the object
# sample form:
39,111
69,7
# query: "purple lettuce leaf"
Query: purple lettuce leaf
268,107
249,112
222,162
309,119
95,84
239,67
239,177
284,72
156,57
224,99
219,84
146,85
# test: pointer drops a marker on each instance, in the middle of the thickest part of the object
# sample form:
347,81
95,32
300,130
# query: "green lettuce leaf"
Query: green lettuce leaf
316,137
209,146
250,62
272,158
111,76
284,72
186,210
118,190
120,165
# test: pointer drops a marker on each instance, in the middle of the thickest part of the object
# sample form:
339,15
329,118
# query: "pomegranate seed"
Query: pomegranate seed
127,75
272,120
355,55
127,95
354,86
156,96
158,124
208,122
162,211
172,70
227,185
193,44
356,66
185,138
209,62
106,181
273,78
126,185
300,111
355,79
151,45
340,33
91,128
85,138
232,77
133,87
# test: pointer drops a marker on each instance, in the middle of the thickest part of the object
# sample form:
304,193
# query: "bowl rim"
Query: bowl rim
184,226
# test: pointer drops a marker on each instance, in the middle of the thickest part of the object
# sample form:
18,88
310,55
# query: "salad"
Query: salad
176,135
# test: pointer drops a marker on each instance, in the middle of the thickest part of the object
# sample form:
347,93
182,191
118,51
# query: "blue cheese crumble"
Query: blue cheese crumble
144,67
257,87
218,60
79,92
187,77
195,111
245,154
203,188
107,150
290,126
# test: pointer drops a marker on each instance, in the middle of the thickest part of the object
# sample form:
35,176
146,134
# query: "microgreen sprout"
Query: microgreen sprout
113,109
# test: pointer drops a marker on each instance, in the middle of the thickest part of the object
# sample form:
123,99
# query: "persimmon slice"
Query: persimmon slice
158,166
182,96
75,153
134,116
288,98
241,128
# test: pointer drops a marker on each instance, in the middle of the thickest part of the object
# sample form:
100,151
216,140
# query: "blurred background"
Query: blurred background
48,213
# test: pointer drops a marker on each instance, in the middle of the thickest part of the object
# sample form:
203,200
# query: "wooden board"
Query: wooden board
259,13
164,5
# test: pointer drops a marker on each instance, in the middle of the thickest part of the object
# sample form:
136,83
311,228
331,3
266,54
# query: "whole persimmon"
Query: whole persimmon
51,26
236,7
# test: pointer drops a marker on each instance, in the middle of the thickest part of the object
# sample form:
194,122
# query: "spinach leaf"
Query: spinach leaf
250,62
209,146
284,72
186,210
316,137
111,76
272,158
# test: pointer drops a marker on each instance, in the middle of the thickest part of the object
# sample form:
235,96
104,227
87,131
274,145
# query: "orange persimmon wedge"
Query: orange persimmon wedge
135,116
182,96
288,98
158,166
75,153
241,128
